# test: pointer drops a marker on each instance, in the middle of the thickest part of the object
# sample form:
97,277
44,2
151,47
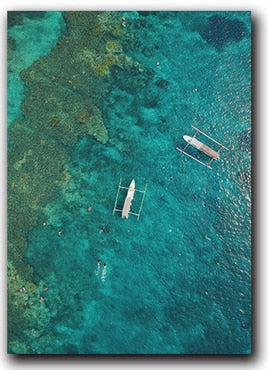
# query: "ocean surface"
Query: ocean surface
178,279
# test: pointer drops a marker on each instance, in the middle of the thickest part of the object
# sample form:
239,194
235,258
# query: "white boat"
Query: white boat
191,140
128,200
202,147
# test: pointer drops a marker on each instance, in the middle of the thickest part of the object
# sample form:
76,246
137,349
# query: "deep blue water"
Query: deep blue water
178,280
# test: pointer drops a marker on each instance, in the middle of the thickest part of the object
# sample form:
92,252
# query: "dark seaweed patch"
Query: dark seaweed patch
16,17
220,31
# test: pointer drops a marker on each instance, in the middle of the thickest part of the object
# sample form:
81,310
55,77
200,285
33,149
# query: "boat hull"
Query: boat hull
202,147
128,200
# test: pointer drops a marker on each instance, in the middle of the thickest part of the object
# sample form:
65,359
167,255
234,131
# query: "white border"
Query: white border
260,358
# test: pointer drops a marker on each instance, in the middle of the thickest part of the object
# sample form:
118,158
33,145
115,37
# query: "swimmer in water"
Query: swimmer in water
98,267
103,275
104,229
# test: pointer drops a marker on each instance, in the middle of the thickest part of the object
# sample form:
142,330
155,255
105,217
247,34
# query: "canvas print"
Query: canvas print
129,182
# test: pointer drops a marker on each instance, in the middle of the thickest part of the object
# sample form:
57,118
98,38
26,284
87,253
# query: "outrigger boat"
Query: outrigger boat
128,200
213,154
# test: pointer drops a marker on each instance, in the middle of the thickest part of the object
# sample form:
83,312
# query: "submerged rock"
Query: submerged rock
162,83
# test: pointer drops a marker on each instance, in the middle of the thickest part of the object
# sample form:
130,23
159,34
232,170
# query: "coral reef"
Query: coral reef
64,95
16,17
69,85
35,164
27,312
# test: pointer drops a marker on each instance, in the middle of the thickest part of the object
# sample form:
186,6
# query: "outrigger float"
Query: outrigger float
128,200
213,154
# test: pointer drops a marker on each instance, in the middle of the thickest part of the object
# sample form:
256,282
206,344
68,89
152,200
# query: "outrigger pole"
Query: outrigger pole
144,191
201,132
191,156
117,196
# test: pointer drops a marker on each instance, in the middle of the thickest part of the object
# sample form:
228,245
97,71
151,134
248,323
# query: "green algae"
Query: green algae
113,47
104,66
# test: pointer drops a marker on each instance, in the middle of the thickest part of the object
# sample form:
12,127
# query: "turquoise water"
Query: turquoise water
178,279
34,33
